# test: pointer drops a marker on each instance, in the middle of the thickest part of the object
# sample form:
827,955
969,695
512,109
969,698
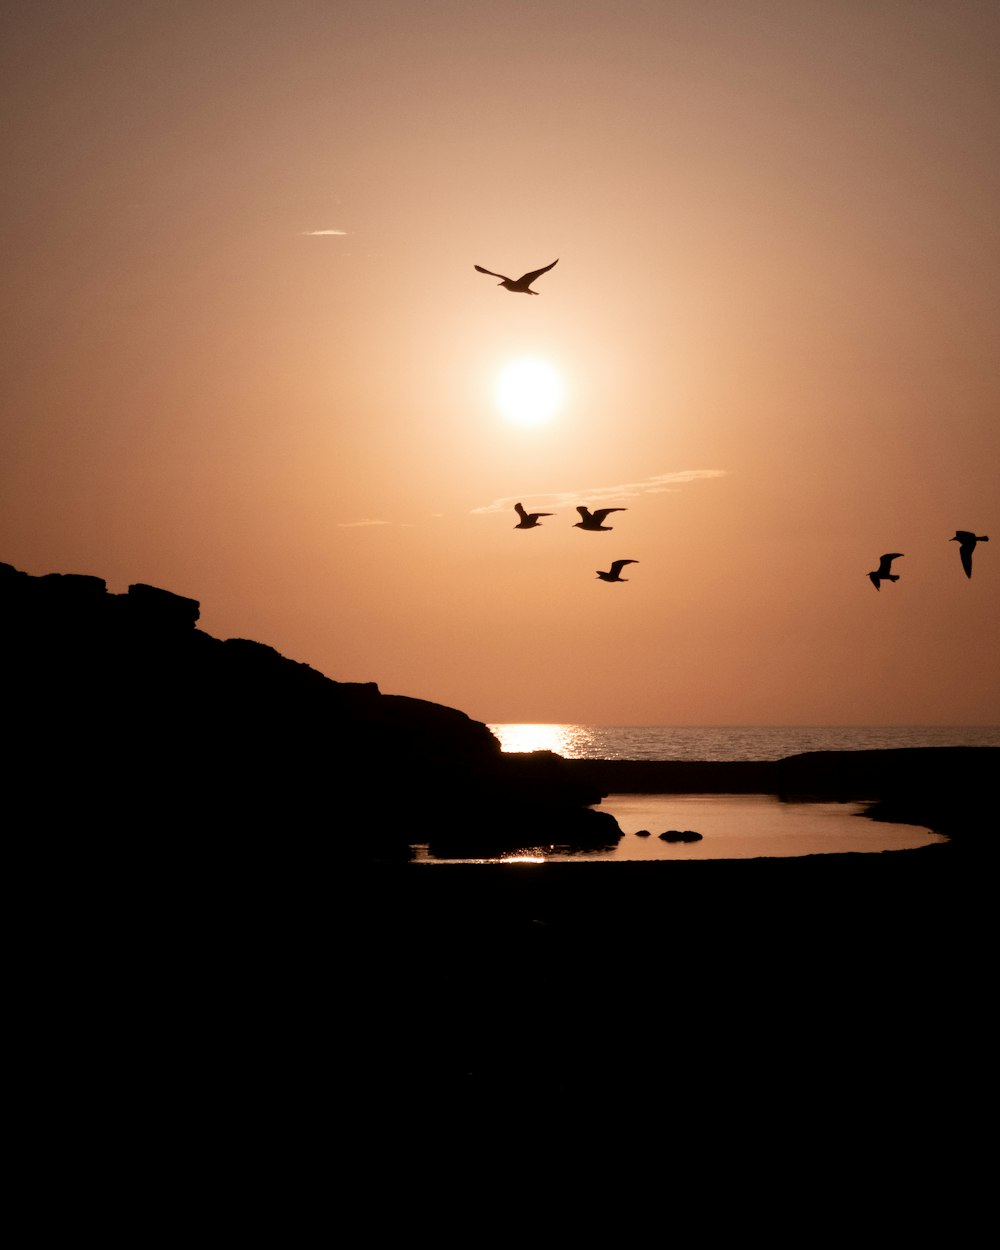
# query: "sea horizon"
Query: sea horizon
728,743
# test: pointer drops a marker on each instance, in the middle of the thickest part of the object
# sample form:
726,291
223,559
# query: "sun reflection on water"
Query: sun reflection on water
557,738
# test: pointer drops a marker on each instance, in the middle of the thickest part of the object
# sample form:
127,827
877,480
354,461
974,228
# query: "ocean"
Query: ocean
723,743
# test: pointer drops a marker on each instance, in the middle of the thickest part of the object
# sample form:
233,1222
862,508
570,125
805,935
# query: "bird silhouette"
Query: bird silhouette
521,284
882,574
528,520
614,573
594,520
966,546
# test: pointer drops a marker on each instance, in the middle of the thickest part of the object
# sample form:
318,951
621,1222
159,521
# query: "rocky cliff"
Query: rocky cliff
123,715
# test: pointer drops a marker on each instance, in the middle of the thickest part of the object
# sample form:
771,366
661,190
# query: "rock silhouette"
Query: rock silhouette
118,704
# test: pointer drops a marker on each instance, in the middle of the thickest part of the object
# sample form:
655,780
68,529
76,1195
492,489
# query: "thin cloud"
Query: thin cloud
314,233
660,484
351,525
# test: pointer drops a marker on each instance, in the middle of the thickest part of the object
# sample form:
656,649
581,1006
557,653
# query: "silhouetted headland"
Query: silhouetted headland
118,699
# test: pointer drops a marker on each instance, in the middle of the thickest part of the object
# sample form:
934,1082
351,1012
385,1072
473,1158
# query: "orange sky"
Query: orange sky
246,357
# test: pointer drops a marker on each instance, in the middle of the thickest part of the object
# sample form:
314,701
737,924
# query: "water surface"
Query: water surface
721,743
733,826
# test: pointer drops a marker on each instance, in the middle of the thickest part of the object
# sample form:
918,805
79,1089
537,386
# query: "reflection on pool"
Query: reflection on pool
733,826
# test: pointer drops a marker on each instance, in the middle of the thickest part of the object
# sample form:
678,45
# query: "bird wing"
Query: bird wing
885,562
601,513
965,551
584,512
528,278
480,269
519,508
618,565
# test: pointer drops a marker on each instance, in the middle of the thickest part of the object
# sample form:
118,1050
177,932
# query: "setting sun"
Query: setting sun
528,391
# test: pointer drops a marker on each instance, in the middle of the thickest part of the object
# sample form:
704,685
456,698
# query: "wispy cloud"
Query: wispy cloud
350,525
313,233
659,484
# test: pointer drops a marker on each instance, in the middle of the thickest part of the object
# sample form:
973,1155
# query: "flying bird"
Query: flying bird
614,573
882,574
966,546
528,520
594,520
521,284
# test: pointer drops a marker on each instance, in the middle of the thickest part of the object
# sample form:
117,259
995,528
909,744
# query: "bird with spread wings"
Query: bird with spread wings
882,573
529,520
967,540
595,520
521,284
614,574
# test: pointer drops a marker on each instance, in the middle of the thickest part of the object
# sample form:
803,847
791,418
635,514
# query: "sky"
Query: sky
245,355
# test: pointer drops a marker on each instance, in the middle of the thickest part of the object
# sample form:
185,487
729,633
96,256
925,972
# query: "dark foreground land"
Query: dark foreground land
256,1018
761,1012
823,993
266,1021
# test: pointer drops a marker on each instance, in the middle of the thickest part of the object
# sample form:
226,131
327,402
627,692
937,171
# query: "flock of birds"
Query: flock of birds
966,546
594,521
588,521
530,520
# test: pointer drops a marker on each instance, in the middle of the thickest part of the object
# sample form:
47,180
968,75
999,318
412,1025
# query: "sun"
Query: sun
528,391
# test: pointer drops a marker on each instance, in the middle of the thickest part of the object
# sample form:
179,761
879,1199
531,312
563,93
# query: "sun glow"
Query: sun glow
528,391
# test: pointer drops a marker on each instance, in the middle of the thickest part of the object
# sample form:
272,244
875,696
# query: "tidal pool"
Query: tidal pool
732,826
